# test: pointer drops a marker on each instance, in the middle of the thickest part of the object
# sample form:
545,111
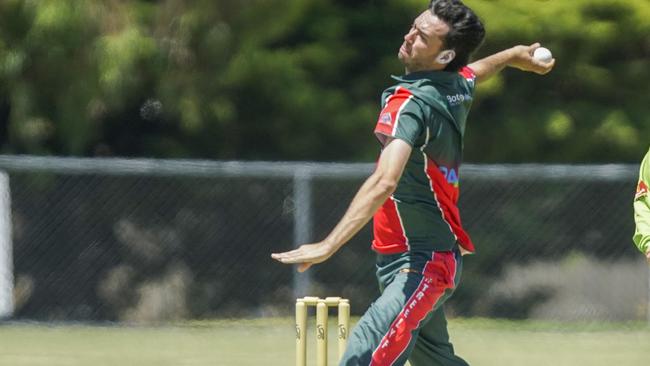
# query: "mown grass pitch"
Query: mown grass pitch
270,342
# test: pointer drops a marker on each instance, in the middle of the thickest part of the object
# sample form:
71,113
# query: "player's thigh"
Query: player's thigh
373,326
433,347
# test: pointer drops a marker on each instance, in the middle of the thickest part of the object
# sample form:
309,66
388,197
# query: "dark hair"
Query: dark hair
466,31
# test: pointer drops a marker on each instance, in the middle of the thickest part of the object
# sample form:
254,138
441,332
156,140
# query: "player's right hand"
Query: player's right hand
523,60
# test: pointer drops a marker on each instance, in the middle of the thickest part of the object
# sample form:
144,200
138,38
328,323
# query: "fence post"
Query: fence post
6,252
302,224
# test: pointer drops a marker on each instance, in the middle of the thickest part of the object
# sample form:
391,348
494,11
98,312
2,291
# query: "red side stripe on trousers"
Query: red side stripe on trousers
438,276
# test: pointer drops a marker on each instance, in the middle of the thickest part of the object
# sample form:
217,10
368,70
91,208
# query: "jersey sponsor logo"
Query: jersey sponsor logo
641,190
451,175
458,99
386,119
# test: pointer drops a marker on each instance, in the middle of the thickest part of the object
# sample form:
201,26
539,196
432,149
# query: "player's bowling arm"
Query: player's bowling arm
520,57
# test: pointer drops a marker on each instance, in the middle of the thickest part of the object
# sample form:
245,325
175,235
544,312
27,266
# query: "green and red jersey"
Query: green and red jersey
642,207
428,110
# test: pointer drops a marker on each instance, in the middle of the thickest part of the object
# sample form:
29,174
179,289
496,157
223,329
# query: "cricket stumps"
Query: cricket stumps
322,309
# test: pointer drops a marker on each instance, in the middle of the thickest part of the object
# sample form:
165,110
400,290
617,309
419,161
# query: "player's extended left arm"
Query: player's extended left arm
520,57
372,194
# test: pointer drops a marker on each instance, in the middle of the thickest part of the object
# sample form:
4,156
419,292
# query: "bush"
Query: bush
301,79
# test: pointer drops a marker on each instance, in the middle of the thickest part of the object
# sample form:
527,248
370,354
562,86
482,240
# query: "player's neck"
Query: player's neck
427,68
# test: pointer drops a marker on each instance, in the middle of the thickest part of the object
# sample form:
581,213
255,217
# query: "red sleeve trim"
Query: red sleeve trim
641,190
467,73
389,116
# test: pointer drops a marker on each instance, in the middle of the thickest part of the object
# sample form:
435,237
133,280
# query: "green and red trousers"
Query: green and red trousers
407,321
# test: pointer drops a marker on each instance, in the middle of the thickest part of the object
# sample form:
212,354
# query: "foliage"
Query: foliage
301,79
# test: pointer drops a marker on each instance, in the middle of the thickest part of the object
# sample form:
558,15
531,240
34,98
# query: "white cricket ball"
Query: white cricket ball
542,54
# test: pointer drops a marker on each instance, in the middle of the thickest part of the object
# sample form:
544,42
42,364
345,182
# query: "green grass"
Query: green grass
270,342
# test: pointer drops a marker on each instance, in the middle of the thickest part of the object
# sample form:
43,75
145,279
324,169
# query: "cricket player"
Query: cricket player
642,209
413,192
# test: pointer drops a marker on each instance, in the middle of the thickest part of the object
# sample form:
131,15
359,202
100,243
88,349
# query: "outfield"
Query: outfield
270,342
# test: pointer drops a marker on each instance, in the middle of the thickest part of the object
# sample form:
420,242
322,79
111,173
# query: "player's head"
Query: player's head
442,37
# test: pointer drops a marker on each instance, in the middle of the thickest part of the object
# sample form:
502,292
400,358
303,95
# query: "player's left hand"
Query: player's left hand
523,60
306,255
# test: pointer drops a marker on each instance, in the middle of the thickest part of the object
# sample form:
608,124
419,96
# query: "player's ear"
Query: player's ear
445,57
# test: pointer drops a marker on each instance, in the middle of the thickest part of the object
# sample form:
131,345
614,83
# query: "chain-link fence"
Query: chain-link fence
148,240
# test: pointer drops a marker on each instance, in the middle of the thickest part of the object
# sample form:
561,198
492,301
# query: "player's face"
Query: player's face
423,43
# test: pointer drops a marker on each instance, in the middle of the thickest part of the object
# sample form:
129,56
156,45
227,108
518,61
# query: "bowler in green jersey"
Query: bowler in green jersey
413,193
642,209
